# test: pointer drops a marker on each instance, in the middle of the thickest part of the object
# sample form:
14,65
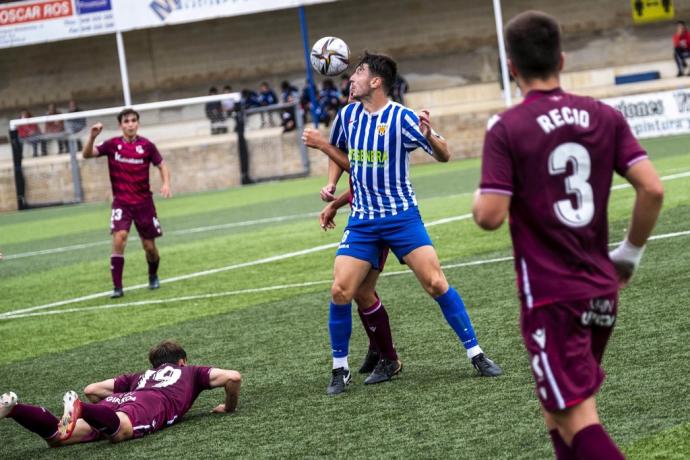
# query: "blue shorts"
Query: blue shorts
366,239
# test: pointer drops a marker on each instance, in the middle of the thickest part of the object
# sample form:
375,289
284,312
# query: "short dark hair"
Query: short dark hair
533,42
382,66
166,352
126,112
680,23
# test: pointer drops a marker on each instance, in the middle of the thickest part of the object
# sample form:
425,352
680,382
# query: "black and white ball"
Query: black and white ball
330,56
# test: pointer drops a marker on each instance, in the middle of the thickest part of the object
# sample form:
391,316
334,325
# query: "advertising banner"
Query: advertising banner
651,10
655,114
38,21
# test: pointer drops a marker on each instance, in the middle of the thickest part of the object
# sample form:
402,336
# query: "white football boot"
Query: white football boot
7,403
71,414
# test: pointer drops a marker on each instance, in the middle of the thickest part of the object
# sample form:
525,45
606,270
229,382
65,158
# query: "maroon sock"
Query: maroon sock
101,418
594,443
153,266
377,322
36,419
117,266
561,449
370,333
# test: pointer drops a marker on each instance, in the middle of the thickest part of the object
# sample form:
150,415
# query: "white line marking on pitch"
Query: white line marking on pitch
17,314
229,293
250,263
245,223
211,271
185,231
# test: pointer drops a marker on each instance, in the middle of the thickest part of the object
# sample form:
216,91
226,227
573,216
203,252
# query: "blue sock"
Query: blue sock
453,309
340,328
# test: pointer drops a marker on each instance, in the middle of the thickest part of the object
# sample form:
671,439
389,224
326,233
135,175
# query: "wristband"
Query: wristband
627,252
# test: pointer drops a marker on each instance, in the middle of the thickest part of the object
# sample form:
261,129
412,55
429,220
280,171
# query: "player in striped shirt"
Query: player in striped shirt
129,159
379,136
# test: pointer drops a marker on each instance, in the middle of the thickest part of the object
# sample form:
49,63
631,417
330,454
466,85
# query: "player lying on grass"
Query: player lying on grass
130,405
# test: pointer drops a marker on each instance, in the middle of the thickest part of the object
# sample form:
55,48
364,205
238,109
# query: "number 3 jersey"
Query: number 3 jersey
176,387
555,155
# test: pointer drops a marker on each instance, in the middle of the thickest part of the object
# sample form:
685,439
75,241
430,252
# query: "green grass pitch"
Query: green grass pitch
269,321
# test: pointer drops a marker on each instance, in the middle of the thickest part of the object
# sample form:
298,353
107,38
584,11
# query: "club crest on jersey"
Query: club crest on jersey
139,149
119,146
381,129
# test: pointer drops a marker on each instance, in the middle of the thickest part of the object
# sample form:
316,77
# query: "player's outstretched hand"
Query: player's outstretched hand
327,193
326,218
424,122
96,129
313,138
219,409
165,191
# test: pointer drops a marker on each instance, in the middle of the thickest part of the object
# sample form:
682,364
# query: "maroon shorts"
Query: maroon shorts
383,255
566,343
145,409
143,214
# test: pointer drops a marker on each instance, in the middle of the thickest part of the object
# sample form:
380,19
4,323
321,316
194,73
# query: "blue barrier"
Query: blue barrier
637,77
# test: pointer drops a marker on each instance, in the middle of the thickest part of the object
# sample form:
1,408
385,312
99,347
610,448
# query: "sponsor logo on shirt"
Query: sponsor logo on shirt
132,161
121,399
369,156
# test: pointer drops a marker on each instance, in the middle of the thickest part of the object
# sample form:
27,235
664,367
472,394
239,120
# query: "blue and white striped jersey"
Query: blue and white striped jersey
378,145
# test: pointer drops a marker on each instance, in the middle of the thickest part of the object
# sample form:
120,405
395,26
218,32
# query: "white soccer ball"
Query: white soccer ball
330,56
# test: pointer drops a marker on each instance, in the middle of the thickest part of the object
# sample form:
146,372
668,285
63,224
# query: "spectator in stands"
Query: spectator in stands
399,89
288,94
267,97
215,114
681,46
57,128
31,133
75,125
329,101
344,89
228,104
305,101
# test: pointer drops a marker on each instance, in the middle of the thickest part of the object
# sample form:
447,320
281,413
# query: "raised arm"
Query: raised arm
89,150
165,179
439,145
231,381
649,196
338,163
100,390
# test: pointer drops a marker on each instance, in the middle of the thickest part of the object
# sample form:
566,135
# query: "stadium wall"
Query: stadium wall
447,44
210,163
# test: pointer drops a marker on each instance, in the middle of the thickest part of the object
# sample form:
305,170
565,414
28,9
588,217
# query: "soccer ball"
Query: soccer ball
330,56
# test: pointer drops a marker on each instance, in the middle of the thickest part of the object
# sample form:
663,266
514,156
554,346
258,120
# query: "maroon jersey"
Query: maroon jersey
555,155
175,387
128,164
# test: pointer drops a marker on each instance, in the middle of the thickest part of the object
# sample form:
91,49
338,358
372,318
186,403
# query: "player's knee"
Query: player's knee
436,285
341,294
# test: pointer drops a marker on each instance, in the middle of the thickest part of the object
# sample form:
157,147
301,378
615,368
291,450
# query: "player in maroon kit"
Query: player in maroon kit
129,157
130,405
548,163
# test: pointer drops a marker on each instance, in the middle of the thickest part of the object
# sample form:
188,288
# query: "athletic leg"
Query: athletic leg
153,259
117,261
424,262
580,428
348,273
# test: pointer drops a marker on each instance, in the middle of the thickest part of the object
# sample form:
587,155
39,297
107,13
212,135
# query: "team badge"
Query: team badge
139,149
119,146
381,129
